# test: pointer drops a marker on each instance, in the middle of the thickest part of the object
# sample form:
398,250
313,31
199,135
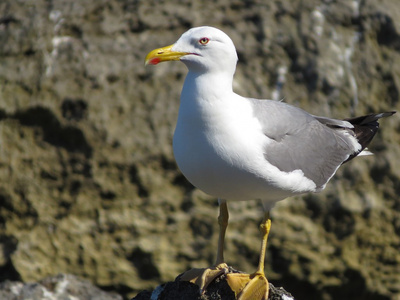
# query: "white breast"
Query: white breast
218,145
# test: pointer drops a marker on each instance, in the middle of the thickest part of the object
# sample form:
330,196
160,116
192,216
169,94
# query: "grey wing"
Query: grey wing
302,141
334,123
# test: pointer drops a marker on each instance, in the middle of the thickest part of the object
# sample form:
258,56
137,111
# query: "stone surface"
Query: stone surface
59,287
217,290
88,183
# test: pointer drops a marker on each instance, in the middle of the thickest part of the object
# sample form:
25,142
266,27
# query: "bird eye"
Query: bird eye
204,40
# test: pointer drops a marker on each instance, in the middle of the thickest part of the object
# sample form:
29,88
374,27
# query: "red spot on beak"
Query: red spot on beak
154,61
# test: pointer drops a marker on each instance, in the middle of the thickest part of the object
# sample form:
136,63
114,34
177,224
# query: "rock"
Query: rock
217,290
88,182
62,286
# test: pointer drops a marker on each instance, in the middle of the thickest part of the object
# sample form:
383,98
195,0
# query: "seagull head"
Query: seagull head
201,49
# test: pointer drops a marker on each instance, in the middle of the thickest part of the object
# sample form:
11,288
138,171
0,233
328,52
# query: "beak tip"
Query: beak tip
152,61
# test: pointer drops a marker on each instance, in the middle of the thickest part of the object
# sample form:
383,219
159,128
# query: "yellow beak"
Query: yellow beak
163,54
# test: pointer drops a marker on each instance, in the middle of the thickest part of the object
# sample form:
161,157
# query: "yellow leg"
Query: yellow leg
204,276
265,227
253,286
223,224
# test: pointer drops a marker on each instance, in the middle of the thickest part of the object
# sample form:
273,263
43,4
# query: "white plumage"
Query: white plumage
223,141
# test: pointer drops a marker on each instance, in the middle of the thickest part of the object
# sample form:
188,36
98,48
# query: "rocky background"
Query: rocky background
88,182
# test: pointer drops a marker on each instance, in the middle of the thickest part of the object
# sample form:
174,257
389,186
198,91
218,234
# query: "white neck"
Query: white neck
197,85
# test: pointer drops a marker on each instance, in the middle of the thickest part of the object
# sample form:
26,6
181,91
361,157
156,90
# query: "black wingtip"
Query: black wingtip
365,128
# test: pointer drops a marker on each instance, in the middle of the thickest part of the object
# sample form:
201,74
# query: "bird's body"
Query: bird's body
238,148
221,148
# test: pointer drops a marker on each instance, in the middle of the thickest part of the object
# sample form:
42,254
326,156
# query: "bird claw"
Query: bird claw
245,286
202,277
248,286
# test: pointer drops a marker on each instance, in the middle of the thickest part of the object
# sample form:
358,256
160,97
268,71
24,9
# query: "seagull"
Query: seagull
237,148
